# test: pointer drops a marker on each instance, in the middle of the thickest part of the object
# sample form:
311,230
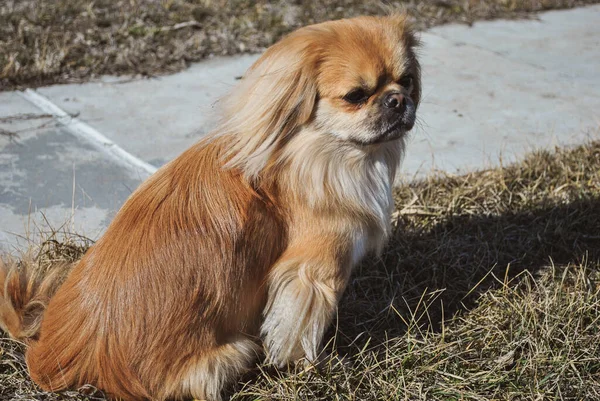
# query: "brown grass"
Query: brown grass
44,42
489,290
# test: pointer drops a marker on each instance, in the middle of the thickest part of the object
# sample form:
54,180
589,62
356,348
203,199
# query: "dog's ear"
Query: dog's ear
273,100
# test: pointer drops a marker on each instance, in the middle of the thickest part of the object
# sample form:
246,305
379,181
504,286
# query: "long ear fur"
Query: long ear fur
272,101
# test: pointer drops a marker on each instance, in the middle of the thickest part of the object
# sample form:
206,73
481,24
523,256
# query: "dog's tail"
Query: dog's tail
25,290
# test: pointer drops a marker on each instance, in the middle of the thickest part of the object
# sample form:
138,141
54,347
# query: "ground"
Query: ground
488,290
45,42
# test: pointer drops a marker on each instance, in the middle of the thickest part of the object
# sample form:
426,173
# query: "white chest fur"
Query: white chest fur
353,183
375,197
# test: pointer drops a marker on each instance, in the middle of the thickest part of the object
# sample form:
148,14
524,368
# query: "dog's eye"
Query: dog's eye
356,96
406,81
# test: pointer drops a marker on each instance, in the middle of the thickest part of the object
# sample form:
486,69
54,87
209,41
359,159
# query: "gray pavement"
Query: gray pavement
492,92
51,180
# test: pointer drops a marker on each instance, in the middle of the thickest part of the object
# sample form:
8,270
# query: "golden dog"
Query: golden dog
247,240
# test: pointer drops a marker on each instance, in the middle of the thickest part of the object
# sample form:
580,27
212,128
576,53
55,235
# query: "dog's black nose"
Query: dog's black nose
395,101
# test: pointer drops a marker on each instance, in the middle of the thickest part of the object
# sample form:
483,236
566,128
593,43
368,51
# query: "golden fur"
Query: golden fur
249,235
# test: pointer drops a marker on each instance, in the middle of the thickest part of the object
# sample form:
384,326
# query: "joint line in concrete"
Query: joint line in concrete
89,134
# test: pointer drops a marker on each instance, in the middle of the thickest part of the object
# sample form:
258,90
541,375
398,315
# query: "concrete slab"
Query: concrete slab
52,180
154,119
499,89
480,107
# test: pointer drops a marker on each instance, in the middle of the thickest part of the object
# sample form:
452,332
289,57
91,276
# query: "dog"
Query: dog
243,245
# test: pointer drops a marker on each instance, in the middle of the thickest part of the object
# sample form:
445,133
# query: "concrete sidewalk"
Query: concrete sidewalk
492,91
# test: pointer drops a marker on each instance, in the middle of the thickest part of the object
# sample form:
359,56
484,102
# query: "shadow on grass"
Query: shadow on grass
429,273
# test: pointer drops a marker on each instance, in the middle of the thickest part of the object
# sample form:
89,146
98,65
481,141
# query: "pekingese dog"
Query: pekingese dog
244,243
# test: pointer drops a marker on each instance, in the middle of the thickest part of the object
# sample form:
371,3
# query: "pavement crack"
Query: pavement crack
24,117
11,135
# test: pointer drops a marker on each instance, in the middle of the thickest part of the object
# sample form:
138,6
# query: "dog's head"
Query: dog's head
356,81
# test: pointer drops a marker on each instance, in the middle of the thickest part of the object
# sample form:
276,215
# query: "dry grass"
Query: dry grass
58,41
489,290
56,251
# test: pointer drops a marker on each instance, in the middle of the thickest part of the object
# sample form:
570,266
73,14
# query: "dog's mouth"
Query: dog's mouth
397,129
393,132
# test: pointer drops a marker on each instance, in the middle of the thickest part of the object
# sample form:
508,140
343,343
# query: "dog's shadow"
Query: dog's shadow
429,274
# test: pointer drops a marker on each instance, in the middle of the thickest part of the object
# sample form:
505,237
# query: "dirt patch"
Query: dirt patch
45,42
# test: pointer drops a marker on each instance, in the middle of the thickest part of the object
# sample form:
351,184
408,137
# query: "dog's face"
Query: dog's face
355,81
368,82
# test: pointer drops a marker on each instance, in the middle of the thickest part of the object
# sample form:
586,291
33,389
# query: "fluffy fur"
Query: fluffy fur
248,237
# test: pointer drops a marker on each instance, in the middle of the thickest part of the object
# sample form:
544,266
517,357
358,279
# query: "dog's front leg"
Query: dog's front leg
304,290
